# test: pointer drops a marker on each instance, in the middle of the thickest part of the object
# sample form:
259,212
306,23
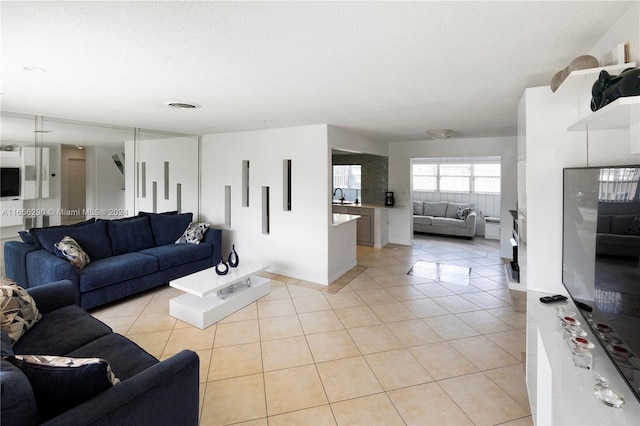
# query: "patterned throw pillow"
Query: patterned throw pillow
69,249
463,212
18,310
60,383
633,228
194,233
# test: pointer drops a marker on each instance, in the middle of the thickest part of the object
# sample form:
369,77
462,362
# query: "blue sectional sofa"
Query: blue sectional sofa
127,256
150,392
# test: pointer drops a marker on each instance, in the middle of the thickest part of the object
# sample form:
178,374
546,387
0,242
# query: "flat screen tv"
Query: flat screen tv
600,258
10,181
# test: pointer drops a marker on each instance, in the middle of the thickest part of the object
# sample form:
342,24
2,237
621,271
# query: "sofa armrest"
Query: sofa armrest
15,261
44,267
213,236
471,222
55,295
164,394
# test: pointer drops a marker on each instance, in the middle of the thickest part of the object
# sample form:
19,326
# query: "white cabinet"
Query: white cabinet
492,228
35,167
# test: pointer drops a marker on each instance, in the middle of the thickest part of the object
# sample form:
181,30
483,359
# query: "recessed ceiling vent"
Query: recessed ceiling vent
183,105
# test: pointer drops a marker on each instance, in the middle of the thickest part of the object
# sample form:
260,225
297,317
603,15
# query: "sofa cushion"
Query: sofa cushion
130,235
452,209
125,357
604,224
61,383
422,220
61,331
447,221
167,228
435,208
115,269
418,208
27,237
18,311
70,250
93,238
178,254
34,231
18,402
5,344
633,228
619,223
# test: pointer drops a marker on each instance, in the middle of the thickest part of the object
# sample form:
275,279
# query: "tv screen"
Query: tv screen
600,262
10,181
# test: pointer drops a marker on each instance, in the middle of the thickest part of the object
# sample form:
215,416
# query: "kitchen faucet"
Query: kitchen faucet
341,193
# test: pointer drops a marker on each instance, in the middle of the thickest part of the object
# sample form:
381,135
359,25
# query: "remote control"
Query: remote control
584,306
554,298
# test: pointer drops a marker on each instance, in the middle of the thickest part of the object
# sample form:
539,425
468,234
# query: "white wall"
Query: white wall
297,245
105,184
182,155
400,155
343,139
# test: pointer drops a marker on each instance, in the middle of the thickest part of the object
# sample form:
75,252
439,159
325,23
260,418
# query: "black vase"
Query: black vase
222,268
233,258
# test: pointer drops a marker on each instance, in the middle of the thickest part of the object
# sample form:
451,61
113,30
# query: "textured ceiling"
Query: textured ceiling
389,70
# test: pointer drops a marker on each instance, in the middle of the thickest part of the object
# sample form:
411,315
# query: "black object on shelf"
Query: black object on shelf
389,200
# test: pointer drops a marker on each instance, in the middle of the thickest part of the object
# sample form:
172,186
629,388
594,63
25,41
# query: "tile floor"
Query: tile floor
376,347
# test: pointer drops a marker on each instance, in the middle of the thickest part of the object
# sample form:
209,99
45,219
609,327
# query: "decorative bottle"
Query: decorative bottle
233,258
222,268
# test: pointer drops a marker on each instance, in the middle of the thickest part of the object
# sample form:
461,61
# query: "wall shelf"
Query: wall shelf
620,114
577,86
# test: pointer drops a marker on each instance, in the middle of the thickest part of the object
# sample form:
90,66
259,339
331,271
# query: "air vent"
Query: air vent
183,105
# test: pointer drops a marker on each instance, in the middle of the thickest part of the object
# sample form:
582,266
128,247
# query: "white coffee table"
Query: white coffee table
210,297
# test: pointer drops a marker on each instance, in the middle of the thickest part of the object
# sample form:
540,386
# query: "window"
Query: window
619,184
348,179
455,177
486,178
469,177
425,177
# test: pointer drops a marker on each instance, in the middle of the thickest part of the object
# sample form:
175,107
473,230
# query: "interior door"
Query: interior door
77,186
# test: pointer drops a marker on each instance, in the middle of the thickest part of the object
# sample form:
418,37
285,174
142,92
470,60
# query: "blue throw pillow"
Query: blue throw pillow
61,383
167,228
26,237
130,235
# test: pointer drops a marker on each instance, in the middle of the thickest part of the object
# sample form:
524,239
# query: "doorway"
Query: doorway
76,191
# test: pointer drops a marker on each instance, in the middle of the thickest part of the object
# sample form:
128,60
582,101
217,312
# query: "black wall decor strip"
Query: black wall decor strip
179,197
286,185
266,226
166,180
227,206
245,183
144,180
155,196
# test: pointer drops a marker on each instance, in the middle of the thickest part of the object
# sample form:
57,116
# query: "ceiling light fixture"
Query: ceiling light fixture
439,133
183,105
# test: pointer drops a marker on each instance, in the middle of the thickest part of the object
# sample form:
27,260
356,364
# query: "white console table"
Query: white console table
210,297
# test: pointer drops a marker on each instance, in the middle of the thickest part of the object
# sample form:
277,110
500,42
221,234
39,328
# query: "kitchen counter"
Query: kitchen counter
342,218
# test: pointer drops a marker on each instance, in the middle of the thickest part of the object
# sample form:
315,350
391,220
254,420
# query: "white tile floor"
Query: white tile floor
378,346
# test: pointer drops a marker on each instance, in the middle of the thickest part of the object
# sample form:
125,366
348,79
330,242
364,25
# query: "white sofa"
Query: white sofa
444,218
